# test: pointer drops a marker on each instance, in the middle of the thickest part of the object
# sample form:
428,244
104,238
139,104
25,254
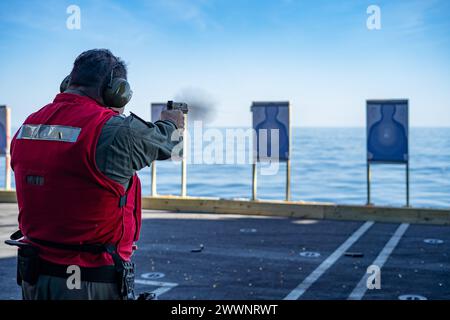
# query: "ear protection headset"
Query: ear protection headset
116,94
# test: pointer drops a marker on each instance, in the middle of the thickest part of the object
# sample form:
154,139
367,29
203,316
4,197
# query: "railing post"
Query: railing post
153,186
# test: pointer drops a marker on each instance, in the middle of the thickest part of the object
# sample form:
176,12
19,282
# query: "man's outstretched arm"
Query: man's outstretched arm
128,144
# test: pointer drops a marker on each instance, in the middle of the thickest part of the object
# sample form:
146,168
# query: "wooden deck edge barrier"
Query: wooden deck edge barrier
293,209
8,196
297,209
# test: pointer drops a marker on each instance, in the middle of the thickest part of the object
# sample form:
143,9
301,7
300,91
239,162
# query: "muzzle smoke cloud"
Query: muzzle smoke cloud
202,106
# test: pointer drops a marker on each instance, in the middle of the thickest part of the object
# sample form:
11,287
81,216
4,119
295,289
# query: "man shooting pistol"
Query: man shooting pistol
75,162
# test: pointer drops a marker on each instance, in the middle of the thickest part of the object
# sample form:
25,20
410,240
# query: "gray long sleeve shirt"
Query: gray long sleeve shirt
128,144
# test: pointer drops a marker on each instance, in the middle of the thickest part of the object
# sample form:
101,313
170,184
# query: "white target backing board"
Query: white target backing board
156,109
272,128
3,133
387,131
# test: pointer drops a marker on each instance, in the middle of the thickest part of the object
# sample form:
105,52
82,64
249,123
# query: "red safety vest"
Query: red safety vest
62,195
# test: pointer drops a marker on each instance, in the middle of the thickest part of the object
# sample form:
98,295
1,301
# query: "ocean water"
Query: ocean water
327,165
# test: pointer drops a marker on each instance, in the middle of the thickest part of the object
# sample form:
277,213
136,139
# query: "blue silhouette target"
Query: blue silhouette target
271,125
387,131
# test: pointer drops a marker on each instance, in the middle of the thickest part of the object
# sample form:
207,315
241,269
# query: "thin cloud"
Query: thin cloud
193,12
36,16
415,18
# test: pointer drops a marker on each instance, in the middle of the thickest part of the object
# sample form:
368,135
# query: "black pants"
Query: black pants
55,288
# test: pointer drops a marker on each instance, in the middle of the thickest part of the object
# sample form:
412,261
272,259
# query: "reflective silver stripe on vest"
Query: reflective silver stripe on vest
49,132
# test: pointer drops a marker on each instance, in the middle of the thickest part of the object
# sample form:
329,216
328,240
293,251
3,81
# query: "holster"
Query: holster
27,262
125,271
126,282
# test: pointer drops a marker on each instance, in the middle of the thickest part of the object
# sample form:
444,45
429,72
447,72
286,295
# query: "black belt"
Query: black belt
106,274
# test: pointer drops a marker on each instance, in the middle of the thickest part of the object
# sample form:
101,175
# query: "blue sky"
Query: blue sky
317,54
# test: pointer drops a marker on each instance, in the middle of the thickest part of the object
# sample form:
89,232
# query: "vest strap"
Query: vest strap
123,201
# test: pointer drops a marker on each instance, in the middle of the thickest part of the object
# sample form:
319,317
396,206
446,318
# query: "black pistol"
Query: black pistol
177,106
